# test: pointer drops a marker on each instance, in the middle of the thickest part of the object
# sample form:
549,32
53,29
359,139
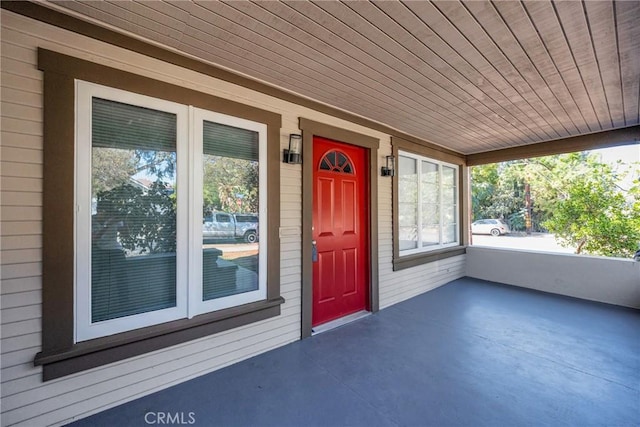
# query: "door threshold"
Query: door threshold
339,322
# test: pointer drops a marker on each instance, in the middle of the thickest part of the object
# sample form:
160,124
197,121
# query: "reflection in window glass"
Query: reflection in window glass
430,197
133,239
428,206
231,185
450,205
407,203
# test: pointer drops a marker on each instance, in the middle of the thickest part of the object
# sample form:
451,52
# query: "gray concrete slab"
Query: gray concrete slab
471,353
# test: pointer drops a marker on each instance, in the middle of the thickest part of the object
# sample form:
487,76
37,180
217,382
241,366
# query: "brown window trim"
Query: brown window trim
413,260
101,351
60,356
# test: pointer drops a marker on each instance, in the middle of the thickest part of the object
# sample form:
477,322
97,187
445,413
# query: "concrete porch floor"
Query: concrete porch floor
470,353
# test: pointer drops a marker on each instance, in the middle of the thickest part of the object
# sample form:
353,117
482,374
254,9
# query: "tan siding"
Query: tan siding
20,170
29,401
142,380
20,327
10,183
24,142
21,299
18,371
14,198
86,406
16,358
13,271
17,213
18,53
18,343
23,155
36,391
24,383
18,97
23,83
19,111
26,127
17,228
415,283
23,284
22,242
19,314
20,68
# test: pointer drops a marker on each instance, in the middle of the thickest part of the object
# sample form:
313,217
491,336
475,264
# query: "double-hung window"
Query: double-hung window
149,174
428,204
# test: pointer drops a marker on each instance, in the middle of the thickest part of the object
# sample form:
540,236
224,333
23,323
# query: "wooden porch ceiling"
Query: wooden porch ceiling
469,76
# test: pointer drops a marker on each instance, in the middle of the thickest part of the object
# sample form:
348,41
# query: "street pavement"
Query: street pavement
535,242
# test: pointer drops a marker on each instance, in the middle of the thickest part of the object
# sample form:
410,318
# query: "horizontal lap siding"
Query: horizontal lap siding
21,214
420,279
25,398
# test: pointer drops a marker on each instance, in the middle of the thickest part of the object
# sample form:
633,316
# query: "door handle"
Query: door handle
314,251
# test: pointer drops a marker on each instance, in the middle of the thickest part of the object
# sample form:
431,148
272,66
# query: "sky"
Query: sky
628,154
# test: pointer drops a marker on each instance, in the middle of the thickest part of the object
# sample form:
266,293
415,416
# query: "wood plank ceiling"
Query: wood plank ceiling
470,76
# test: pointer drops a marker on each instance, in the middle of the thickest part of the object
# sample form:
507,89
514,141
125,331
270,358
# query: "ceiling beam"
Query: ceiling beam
610,138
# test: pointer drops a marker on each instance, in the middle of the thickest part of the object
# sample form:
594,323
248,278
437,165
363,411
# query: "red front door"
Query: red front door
340,230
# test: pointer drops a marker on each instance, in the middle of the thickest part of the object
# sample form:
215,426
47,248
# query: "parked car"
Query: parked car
222,225
495,227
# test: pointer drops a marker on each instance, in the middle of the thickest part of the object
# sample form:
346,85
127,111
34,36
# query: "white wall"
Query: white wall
26,400
610,280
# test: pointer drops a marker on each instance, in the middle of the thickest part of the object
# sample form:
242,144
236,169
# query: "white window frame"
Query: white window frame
188,220
196,303
420,249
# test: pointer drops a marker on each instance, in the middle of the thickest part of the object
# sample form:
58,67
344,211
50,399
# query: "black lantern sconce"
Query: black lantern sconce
294,154
390,168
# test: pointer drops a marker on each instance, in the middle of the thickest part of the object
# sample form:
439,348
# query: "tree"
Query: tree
111,168
114,167
148,217
576,197
596,217
147,212
230,184
496,193
550,177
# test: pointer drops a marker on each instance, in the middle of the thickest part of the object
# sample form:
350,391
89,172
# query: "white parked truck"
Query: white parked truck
223,225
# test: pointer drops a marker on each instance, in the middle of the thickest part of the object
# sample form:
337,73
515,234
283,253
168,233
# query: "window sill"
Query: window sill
101,351
408,261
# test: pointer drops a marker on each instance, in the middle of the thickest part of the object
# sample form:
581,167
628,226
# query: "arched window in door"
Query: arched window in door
336,161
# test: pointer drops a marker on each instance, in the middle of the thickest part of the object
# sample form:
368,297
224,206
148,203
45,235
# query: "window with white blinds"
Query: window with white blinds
152,179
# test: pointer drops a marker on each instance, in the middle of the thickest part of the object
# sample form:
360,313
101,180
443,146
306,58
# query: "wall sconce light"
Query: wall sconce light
390,168
294,154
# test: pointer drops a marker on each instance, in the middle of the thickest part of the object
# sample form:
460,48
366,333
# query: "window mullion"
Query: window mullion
419,201
440,204
182,210
83,211
195,213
